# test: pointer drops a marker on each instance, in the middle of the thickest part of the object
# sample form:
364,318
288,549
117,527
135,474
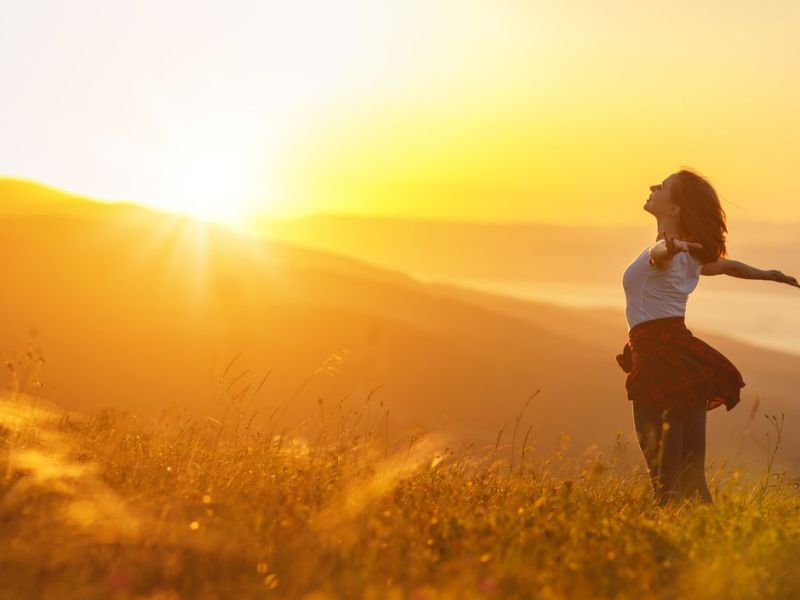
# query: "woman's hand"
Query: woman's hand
776,275
675,245
661,254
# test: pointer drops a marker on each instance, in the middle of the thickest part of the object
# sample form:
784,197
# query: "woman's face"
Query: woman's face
659,203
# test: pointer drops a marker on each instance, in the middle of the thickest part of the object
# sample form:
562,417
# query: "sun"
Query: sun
218,187
210,189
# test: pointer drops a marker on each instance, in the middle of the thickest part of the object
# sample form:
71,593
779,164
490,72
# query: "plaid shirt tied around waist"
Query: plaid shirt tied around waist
670,368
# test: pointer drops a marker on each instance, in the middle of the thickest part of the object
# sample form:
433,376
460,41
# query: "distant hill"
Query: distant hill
524,252
22,197
142,311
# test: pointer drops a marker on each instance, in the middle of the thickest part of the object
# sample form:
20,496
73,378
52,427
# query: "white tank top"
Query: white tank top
653,293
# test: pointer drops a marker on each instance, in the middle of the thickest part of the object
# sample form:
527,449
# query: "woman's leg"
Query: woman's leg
660,436
693,472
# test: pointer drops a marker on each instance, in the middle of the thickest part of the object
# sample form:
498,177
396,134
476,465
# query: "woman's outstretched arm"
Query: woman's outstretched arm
735,268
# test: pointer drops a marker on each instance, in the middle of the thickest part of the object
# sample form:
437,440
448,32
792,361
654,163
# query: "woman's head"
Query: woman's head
691,201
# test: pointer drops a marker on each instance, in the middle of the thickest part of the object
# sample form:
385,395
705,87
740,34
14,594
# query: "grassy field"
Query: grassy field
106,506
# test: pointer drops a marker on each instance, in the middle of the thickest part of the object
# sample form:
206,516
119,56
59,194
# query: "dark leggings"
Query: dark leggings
674,449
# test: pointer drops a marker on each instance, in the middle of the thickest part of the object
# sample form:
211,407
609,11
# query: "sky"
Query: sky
560,111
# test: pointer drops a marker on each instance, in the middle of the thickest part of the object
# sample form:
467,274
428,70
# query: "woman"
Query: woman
674,378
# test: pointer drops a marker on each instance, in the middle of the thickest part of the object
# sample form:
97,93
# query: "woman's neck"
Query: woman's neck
671,226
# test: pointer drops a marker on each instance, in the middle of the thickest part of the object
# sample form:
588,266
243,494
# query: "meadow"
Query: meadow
109,505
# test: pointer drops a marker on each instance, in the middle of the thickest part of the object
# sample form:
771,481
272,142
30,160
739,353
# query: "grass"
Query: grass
104,506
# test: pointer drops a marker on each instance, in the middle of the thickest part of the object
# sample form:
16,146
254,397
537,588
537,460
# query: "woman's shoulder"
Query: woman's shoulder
680,265
695,260
688,264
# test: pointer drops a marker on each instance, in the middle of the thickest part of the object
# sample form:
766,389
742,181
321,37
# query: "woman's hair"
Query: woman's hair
702,215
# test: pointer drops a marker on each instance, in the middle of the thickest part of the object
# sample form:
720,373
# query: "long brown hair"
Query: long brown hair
702,215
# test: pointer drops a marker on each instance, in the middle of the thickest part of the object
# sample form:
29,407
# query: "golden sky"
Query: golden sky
557,110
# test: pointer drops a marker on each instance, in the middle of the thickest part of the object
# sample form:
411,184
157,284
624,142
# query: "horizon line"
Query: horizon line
263,218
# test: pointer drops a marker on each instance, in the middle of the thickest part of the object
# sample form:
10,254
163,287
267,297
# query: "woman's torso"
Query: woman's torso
653,293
